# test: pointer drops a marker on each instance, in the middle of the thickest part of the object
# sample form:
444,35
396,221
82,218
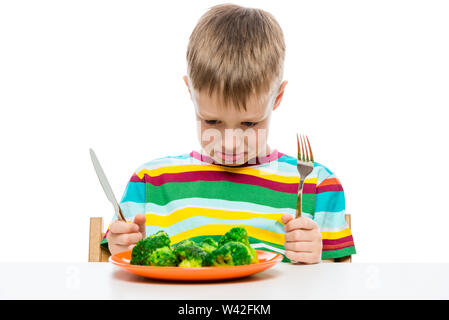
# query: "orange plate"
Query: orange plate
267,259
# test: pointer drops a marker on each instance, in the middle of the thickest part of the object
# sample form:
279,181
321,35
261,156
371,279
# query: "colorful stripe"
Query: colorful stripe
338,253
192,212
336,244
199,168
330,201
132,208
206,230
192,176
335,235
173,227
332,187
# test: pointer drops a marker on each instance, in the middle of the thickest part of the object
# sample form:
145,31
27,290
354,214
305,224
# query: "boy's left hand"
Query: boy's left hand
303,241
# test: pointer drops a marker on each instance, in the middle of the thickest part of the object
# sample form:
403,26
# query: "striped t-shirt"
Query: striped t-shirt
191,196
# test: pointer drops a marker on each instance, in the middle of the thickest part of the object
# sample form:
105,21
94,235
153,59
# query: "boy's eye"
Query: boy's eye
246,123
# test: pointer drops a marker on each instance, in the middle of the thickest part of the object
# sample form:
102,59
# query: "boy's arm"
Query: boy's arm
330,216
327,235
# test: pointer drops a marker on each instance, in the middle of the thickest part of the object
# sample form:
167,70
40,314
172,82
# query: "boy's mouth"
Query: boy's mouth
230,157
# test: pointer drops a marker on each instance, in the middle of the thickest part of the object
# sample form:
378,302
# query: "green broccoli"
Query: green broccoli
184,242
190,255
209,245
232,253
233,249
254,256
239,234
145,247
163,257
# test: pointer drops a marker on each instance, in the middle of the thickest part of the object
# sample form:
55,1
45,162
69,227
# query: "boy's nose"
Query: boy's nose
232,144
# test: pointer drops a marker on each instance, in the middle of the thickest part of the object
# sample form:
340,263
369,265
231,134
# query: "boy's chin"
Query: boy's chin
230,163
239,162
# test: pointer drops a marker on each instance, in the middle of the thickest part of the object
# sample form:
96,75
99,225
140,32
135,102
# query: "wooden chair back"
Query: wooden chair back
99,254
96,252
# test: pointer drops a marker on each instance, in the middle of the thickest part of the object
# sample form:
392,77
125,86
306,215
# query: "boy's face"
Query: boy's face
230,136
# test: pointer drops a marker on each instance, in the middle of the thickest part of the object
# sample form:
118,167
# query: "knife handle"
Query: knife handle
120,214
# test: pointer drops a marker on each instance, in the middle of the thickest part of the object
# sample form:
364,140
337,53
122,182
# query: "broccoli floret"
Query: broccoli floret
141,252
163,257
145,247
184,242
190,255
253,253
239,234
232,253
160,239
209,245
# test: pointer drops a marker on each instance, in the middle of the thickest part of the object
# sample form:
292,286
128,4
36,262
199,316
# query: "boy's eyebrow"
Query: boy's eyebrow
253,119
248,119
205,116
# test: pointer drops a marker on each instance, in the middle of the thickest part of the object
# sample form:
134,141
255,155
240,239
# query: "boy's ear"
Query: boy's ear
187,84
280,95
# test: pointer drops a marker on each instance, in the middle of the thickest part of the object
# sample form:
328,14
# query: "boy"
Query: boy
235,61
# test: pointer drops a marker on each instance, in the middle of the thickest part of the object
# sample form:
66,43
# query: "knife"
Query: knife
106,186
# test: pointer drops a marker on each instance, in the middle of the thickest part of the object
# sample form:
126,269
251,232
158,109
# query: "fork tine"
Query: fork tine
303,158
310,149
306,153
299,150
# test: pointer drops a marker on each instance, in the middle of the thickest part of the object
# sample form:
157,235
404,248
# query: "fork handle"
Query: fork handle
298,205
299,200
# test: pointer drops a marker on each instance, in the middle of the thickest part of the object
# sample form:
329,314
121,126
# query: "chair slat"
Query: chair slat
105,254
96,225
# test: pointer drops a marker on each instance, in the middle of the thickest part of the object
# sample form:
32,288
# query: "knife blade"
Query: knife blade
106,186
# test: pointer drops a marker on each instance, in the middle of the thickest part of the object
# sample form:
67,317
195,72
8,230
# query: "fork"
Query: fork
305,166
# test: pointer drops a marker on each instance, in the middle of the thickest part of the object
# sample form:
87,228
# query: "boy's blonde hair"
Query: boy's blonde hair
237,52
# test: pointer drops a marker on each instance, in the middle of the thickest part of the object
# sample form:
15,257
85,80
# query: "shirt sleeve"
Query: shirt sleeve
330,217
131,203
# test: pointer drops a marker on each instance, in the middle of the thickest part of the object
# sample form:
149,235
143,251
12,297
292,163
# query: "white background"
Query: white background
367,81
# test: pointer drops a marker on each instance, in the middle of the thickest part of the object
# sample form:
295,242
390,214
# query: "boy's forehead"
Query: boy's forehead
211,107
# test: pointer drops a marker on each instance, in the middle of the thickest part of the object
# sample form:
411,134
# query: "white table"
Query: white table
283,281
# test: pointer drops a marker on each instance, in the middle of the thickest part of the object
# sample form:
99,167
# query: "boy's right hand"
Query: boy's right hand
123,236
